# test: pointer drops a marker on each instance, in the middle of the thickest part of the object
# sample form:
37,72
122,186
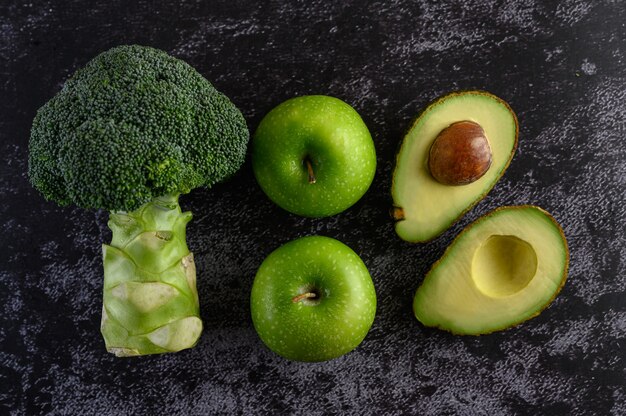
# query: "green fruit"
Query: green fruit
425,206
500,271
313,156
313,300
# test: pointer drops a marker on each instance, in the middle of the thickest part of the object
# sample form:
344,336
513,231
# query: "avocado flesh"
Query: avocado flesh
500,271
429,207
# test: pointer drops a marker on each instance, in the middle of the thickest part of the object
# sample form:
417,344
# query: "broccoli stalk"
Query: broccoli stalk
150,299
129,133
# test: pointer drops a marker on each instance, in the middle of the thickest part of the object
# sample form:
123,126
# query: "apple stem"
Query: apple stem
309,168
307,295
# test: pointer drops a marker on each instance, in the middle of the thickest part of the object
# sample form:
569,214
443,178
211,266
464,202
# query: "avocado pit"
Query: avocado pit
460,154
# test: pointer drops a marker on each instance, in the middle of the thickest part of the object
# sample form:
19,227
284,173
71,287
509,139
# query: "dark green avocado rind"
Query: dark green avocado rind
481,196
531,313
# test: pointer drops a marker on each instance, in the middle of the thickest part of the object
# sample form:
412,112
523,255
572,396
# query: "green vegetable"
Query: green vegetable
128,133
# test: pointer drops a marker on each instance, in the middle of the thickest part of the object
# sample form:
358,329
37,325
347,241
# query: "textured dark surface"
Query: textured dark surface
559,64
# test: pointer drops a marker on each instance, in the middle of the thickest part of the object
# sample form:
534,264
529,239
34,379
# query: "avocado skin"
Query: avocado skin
480,196
477,222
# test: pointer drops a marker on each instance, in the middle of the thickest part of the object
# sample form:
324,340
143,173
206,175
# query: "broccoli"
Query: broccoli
129,133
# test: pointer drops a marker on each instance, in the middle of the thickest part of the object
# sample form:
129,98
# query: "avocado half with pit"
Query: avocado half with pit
452,156
500,271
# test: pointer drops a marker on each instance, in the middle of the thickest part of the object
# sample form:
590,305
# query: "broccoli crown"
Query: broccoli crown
132,125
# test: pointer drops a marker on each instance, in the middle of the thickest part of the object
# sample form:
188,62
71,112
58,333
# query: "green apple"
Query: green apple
313,156
313,300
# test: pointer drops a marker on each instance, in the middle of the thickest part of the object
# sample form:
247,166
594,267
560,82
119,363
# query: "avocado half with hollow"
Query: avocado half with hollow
452,156
502,270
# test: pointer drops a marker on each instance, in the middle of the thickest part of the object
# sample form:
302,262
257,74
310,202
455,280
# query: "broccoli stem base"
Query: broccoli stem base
150,301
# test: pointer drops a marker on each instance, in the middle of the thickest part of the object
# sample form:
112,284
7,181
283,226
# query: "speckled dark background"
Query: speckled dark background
560,65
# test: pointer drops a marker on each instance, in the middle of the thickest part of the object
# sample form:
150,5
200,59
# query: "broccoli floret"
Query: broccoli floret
132,125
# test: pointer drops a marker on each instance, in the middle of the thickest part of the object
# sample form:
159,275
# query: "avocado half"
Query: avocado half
423,207
503,269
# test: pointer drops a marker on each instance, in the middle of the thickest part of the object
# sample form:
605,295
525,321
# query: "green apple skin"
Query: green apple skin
318,329
332,137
